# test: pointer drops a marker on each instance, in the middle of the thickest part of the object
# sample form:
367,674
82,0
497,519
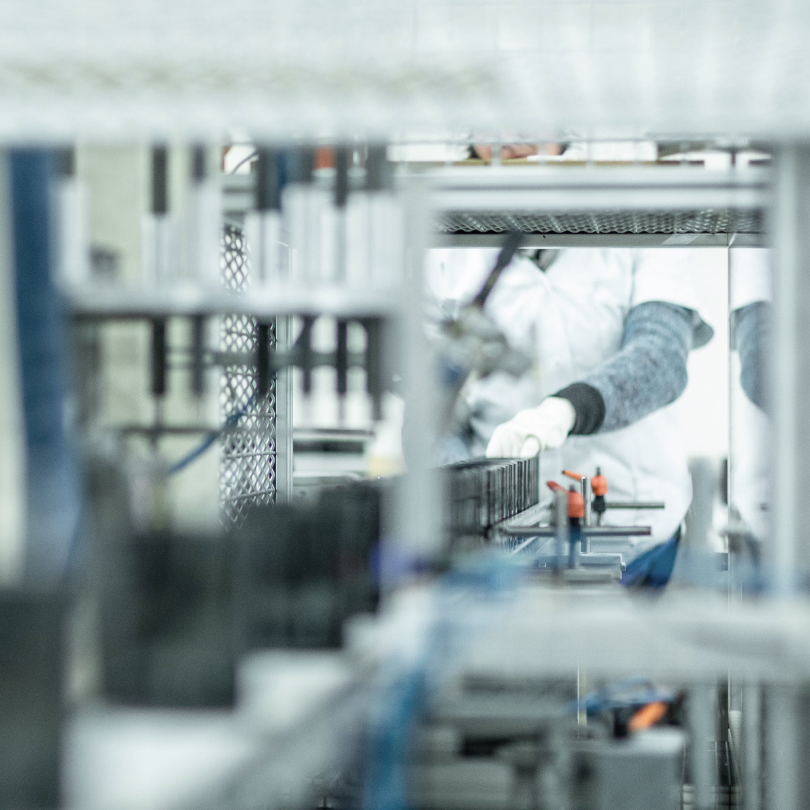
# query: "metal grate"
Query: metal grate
247,468
709,221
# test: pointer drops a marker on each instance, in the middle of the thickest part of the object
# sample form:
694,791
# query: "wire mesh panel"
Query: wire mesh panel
712,221
247,469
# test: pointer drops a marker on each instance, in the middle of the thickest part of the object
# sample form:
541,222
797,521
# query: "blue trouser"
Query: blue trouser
653,568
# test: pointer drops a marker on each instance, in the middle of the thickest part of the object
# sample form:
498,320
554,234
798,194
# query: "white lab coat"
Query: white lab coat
750,453
571,317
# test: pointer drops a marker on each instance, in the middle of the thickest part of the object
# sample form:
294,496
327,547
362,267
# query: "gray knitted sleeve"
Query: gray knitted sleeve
647,373
650,370
752,335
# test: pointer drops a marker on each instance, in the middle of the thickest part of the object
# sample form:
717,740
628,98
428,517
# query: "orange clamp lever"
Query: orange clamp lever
576,504
647,716
599,485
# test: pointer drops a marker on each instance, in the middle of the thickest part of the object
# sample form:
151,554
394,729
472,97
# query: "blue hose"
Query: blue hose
52,479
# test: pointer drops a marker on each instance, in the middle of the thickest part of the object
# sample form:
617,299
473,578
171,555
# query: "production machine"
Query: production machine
441,639
222,588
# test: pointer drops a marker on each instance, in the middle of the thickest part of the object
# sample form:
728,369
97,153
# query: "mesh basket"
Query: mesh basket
247,467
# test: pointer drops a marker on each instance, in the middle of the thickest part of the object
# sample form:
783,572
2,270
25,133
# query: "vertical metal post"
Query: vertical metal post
790,237
701,718
561,538
415,531
782,749
752,747
284,416
198,328
587,496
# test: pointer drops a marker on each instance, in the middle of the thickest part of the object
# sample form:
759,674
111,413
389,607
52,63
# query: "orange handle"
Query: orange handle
599,485
575,476
554,486
576,504
647,716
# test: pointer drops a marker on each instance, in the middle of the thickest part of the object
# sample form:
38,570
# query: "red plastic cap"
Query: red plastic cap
576,504
599,485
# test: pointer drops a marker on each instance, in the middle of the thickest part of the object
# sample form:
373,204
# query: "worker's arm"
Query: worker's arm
648,372
752,326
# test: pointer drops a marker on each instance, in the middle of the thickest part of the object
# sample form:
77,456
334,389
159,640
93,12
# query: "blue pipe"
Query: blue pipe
52,481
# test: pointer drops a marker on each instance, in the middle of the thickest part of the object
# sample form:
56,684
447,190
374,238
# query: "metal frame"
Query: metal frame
603,240
656,188
564,191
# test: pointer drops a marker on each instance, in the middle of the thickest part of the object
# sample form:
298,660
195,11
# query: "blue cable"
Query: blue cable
211,438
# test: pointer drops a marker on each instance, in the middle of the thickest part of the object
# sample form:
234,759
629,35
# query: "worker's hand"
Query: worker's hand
542,428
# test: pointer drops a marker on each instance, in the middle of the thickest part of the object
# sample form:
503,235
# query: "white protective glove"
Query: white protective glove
542,428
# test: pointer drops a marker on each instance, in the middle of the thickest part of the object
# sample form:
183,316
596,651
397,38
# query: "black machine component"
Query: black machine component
178,611
305,569
168,620
483,492
160,179
31,664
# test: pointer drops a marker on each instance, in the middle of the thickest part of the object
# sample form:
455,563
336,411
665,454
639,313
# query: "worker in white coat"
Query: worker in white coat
611,331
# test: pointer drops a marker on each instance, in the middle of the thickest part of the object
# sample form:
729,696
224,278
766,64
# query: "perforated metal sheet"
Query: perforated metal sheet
247,469
601,222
